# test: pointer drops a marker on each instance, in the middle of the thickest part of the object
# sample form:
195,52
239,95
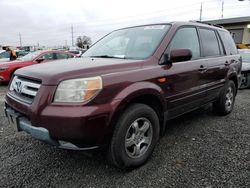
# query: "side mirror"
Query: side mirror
40,59
177,55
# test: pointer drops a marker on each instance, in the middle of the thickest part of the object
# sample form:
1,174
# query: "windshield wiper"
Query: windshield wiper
108,56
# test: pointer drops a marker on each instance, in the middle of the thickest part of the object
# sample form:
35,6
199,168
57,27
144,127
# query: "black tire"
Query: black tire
246,84
222,106
122,156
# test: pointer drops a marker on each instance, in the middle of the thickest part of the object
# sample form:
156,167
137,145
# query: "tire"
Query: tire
139,127
225,103
246,84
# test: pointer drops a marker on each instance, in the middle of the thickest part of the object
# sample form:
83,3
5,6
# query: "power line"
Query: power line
201,12
20,39
72,34
222,9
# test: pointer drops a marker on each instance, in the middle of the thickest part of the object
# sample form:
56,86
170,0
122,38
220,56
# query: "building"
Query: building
238,27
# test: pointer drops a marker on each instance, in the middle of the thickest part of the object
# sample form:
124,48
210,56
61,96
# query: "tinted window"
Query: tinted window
228,42
186,38
222,50
48,56
62,56
209,42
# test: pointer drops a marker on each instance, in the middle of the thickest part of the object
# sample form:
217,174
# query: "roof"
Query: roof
229,20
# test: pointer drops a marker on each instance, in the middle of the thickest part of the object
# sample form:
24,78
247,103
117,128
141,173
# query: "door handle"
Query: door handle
202,68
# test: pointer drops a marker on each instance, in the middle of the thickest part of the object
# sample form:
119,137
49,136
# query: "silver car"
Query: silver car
245,72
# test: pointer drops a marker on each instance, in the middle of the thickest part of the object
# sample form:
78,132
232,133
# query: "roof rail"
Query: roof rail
207,23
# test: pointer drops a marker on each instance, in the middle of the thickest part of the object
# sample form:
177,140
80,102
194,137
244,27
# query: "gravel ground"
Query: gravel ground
198,150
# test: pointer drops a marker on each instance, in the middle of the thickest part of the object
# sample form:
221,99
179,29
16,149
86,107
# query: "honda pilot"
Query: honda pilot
125,88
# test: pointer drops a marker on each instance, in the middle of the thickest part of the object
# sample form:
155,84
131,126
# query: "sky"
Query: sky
49,22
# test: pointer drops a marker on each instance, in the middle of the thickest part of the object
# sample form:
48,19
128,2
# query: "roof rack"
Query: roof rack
207,23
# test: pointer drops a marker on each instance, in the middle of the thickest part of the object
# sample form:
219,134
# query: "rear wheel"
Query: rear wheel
135,136
224,105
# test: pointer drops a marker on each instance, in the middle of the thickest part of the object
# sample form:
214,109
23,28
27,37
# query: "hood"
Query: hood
7,62
245,66
53,72
4,60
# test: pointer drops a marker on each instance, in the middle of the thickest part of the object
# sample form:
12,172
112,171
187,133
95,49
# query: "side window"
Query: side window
48,56
62,56
228,43
209,42
186,38
70,56
222,51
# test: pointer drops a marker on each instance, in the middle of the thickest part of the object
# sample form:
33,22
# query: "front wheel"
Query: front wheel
135,136
225,103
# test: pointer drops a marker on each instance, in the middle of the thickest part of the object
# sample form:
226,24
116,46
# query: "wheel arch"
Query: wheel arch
233,77
151,97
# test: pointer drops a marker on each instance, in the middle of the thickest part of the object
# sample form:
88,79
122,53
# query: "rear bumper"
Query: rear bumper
39,133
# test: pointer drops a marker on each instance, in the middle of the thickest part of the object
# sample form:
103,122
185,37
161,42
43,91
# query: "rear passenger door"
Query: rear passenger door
216,69
186,83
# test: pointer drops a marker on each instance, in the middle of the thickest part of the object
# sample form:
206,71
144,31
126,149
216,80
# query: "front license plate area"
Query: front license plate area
12,117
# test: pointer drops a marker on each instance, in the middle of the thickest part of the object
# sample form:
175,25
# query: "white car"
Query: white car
245,71
4,56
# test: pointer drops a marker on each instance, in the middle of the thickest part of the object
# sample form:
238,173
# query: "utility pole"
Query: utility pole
201,12
72,34
20,39
222,9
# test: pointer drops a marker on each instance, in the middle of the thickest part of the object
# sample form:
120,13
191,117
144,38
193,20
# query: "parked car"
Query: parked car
125,88
21,53
5,56
8,68
245,72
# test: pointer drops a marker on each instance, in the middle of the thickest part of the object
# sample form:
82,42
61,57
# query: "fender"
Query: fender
136,90
139,89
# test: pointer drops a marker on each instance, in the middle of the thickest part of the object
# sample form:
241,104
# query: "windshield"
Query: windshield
131,43
30,56
245,57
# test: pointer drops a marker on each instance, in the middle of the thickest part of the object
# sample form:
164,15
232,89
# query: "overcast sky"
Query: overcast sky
48,22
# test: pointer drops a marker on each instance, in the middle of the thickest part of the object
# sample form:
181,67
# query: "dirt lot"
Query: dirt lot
198,150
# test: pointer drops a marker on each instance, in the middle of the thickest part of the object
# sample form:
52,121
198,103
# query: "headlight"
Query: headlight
78,90
3,68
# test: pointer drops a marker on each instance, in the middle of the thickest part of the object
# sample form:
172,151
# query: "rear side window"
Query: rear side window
62,56
228,43
209,43
186,38
48,56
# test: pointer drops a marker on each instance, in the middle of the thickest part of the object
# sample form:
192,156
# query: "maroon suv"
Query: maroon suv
125,88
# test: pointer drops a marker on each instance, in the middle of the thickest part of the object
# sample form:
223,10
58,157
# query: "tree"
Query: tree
83,41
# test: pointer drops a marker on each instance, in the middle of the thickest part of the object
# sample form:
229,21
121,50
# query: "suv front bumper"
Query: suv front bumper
40,133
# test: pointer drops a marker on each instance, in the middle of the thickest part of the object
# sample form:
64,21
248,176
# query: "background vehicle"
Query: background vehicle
245,72
8,68
4,56
125,88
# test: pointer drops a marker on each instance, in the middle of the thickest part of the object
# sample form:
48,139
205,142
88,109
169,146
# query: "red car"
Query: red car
8,68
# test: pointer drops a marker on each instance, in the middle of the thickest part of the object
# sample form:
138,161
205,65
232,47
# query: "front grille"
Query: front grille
24,89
